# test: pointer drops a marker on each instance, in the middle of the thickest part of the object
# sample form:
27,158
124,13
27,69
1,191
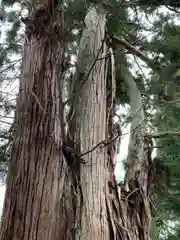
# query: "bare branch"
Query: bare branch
4,122
165,134
137,52
10,65
104,143
92,149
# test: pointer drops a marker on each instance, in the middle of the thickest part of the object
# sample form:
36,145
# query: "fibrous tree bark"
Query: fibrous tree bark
43,201
36,167
136,190
88,125
105,212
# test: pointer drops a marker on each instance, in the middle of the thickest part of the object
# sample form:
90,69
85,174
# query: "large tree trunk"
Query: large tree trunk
38,205
104,212
36,169
88,126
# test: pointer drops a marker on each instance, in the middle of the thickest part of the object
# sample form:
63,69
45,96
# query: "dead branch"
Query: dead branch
104,143
165,134
137,52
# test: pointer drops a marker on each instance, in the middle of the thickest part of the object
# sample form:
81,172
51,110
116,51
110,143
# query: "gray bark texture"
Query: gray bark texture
106,213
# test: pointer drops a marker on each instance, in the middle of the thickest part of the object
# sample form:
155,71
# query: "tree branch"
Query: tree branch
164,134
137,52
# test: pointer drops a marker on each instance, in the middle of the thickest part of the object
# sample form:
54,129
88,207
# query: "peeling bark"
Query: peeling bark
137,131
113,131
134,197
37,170
42,200
102,211
88,125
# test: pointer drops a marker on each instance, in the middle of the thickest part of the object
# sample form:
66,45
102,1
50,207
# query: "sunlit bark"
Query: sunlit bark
89,125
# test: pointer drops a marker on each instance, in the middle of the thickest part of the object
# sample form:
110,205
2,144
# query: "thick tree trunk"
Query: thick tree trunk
38,205
36,170
88,126
100,211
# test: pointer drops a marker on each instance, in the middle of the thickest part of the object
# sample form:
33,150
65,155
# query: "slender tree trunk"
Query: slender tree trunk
36,169
136,214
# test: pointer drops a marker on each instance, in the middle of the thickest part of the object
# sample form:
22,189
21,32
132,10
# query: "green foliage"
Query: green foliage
168,119
10,46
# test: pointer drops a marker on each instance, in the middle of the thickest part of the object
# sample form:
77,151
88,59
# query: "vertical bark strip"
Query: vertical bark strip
113,128
136,144
89,124
36,170
134,197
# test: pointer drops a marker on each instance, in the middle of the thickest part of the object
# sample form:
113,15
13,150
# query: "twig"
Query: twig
105,143
171,102
131,193
164,134
92,149
88,74
10,66
38,102
1,121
